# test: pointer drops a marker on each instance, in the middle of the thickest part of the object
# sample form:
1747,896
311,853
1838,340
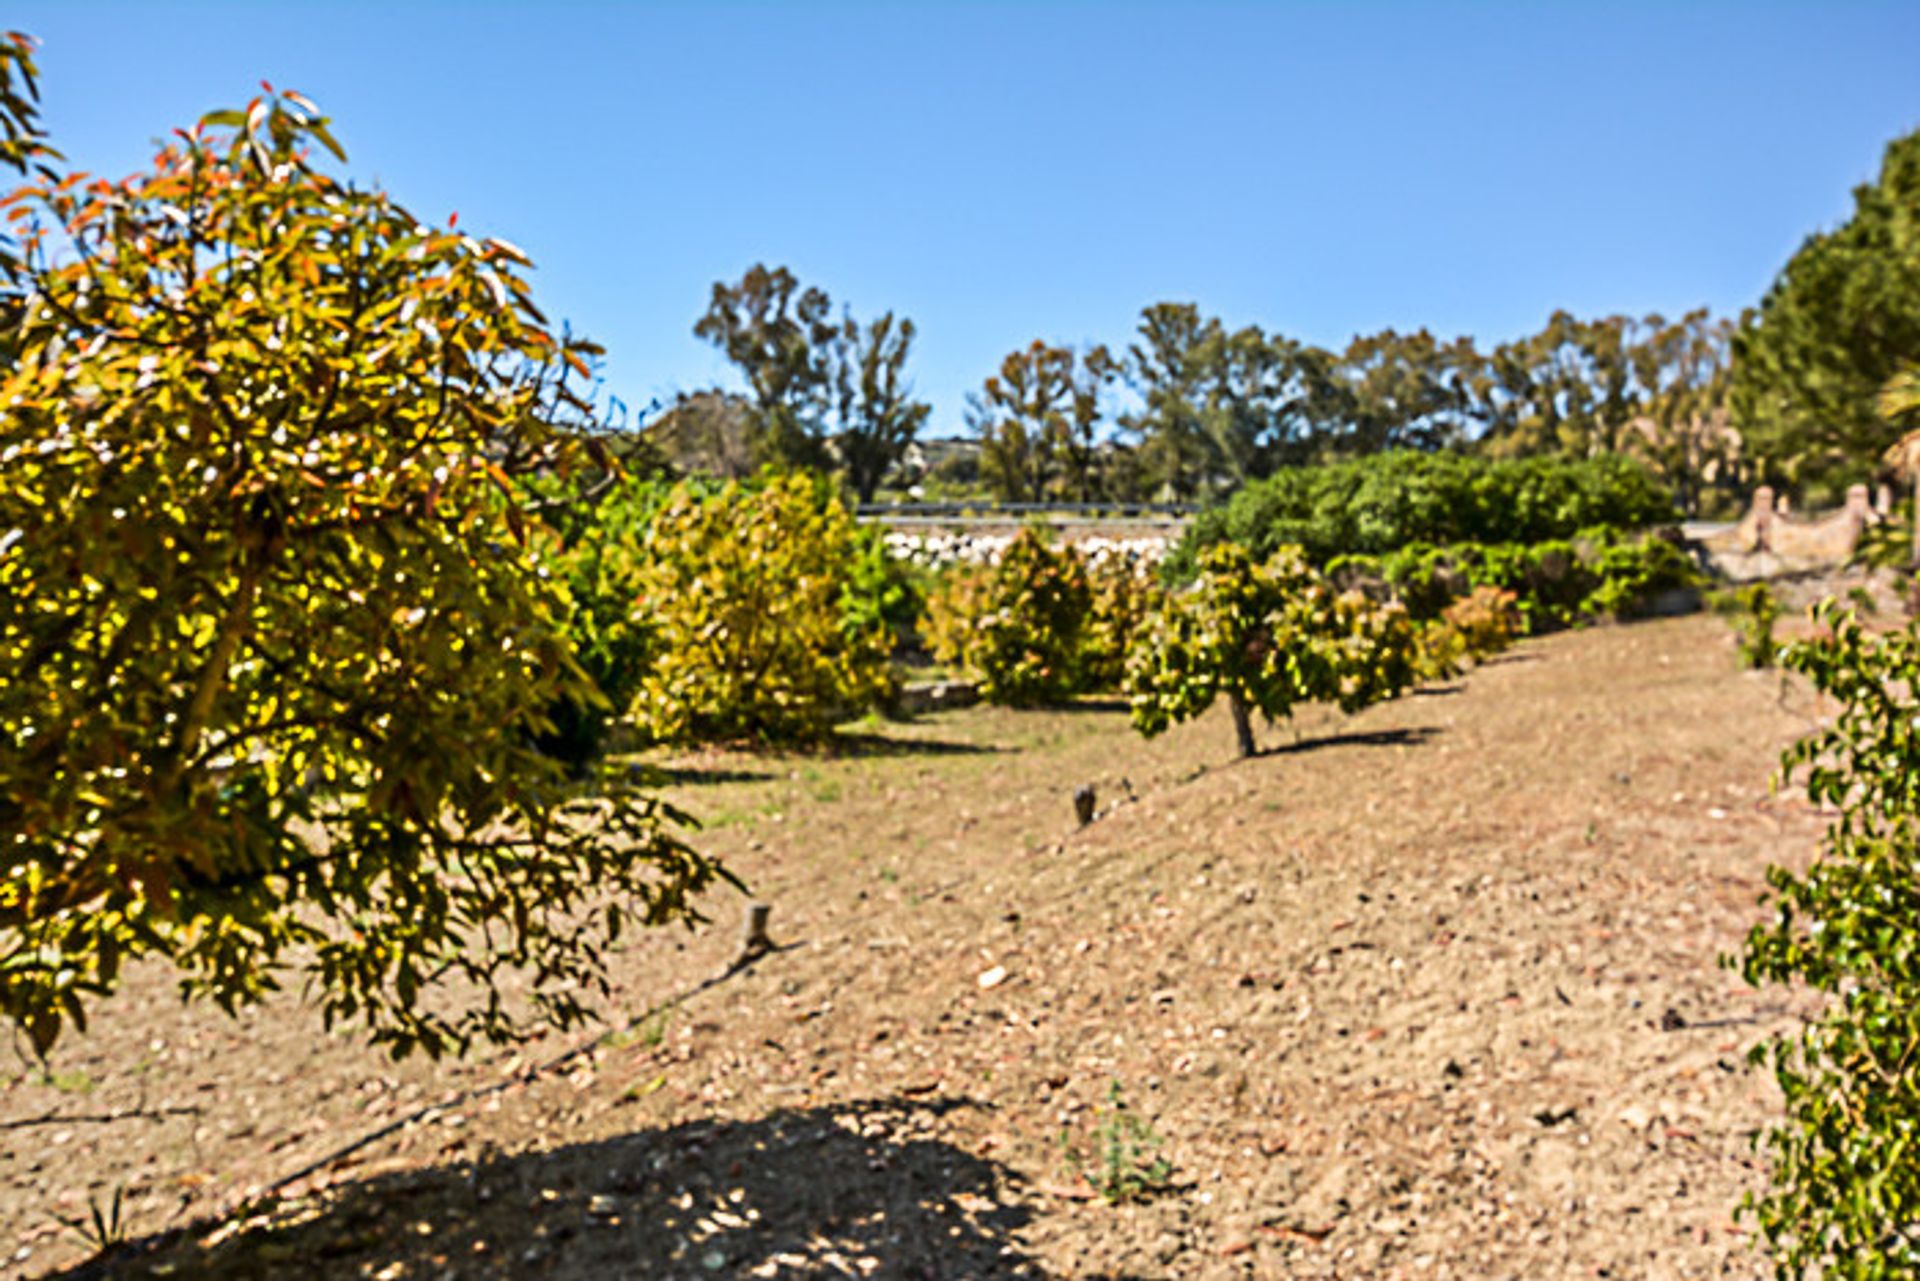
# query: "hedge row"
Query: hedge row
1380,504
1602,573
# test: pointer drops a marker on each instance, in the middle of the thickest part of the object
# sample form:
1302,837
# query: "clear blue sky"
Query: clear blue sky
1002,172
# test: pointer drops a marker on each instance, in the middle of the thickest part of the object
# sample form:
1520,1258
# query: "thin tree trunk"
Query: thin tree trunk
1916,516
1242,725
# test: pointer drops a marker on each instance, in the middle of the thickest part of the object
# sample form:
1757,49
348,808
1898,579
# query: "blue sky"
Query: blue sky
1001,172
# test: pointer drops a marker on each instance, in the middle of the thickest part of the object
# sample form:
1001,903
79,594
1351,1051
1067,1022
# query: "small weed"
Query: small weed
641,1089
1123,1165
891,875
1754,610
105,1227
827,792
72,1081
649,1032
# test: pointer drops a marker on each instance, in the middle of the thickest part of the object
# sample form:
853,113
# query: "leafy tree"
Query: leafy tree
1037,418
275,645
1265,636
1018,624
1221,407
1164,365
878,417
1841,318
1681,369
778,334
597,527
1395,391
709,433
1845,1195
748,598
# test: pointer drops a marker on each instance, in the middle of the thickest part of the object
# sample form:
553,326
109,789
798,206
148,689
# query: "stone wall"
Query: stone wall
1770,540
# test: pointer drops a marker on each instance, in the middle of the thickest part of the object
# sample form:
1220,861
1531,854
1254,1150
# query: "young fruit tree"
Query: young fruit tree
1018,624
1265,637
275,645
753,626
1845,1195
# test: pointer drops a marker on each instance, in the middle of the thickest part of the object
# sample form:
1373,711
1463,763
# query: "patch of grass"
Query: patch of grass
650,1032
71,1081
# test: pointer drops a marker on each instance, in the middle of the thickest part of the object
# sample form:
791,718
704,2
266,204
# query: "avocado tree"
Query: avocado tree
276,645
1844,1197
1265,636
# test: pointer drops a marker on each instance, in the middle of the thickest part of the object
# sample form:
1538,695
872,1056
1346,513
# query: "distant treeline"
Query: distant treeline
1806,389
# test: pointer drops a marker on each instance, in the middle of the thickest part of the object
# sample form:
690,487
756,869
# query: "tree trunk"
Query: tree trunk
1242,725
1916,516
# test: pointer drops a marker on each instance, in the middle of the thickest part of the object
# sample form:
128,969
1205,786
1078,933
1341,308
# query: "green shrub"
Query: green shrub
1470,630
1265,636
596,544
745,593
1844,1199
1555,583
1753,611
1017,625
1386,502
1123,596
1633,575
1887,544
882,592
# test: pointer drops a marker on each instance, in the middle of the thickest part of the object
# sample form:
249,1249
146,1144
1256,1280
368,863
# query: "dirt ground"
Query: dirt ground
1430,991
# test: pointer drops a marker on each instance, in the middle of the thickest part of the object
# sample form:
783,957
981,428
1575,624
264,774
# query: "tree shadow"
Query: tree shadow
1094,705
855,743
1411,737
696,776
857,1189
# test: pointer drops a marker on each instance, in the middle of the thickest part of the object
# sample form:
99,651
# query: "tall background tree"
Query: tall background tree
826,394
1840,320
778,334
1037,419
876,414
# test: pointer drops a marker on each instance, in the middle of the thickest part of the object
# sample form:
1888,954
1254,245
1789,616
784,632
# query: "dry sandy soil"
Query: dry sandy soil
1431,991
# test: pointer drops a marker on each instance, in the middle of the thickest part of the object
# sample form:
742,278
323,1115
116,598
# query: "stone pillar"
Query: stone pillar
1763,519
1856,515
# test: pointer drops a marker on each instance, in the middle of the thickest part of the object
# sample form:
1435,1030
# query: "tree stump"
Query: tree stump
754,942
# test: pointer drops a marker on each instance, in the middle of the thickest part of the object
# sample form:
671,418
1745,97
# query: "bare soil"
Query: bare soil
1430,991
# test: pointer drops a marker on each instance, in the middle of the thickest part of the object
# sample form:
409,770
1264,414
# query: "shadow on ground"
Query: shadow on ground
860,1189
697,775
1358,738
854,743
